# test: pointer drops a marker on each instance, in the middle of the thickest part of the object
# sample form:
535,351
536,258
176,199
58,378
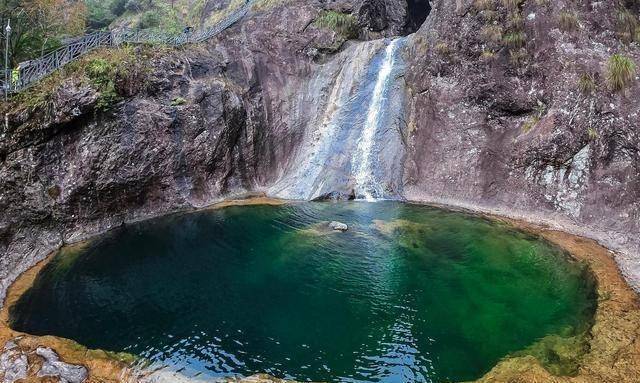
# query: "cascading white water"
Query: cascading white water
366,183
348,150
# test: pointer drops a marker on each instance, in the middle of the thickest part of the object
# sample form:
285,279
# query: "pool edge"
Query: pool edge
614,354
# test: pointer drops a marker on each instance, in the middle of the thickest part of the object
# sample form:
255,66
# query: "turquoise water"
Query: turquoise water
409,293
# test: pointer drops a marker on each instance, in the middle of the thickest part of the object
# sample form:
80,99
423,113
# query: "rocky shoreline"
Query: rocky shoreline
613,355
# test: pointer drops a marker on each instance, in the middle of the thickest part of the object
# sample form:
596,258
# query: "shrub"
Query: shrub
489,15
133,6
530,123
487,55
491,33
150,19
178,101
627,24
568,21
117,7
515,40
516,22
443,49
621,71
511,5
265,5
483,5
343,23
518,56
102,74
587,83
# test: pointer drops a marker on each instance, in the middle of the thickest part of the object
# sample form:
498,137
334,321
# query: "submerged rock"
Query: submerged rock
52,366
338,226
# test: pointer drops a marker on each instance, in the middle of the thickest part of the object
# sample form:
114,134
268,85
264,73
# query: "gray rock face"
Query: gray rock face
52,366
338,226
13,364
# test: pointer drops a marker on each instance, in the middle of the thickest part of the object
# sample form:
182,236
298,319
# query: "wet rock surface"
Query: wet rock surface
52,366
18,363
13,363
338,226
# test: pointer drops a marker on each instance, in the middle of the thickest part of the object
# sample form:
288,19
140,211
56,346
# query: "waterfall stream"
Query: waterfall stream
351,148
366,184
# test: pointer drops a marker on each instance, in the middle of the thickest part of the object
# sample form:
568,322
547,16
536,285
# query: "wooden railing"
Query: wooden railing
34,70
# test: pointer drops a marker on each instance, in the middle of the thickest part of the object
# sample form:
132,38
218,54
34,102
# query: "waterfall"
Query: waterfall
366,183
348,110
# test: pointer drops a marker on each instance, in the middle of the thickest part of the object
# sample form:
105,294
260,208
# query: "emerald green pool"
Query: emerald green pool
408,293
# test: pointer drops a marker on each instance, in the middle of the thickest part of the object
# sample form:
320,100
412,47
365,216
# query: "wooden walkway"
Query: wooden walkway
36,69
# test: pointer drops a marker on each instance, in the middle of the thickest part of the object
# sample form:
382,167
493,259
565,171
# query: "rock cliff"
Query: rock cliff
528,128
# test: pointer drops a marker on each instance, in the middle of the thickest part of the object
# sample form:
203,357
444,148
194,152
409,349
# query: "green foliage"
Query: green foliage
178,101
515,40
102,13
150,19
265,5
134,6
39,25
117,7
621,71
587,83
102,74
568,21
343,23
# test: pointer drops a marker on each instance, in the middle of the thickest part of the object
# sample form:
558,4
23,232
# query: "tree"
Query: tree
39,25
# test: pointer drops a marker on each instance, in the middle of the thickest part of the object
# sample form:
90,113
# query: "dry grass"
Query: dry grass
511,5
343,23
587,83
489,16
518,57
484,5
568,21
443,49
628,25
487,55
514,40
265,5
516,21
491,33
621,72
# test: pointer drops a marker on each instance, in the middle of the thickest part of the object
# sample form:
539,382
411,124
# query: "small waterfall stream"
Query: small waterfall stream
366,184
352,147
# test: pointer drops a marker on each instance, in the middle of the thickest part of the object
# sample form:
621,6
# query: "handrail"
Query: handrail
36,69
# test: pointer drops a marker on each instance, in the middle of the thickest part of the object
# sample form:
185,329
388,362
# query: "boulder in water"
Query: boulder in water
338,226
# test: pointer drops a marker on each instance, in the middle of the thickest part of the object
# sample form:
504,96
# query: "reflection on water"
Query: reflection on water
408,293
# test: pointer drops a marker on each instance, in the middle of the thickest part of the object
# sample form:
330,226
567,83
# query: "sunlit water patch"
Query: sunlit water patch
408,293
